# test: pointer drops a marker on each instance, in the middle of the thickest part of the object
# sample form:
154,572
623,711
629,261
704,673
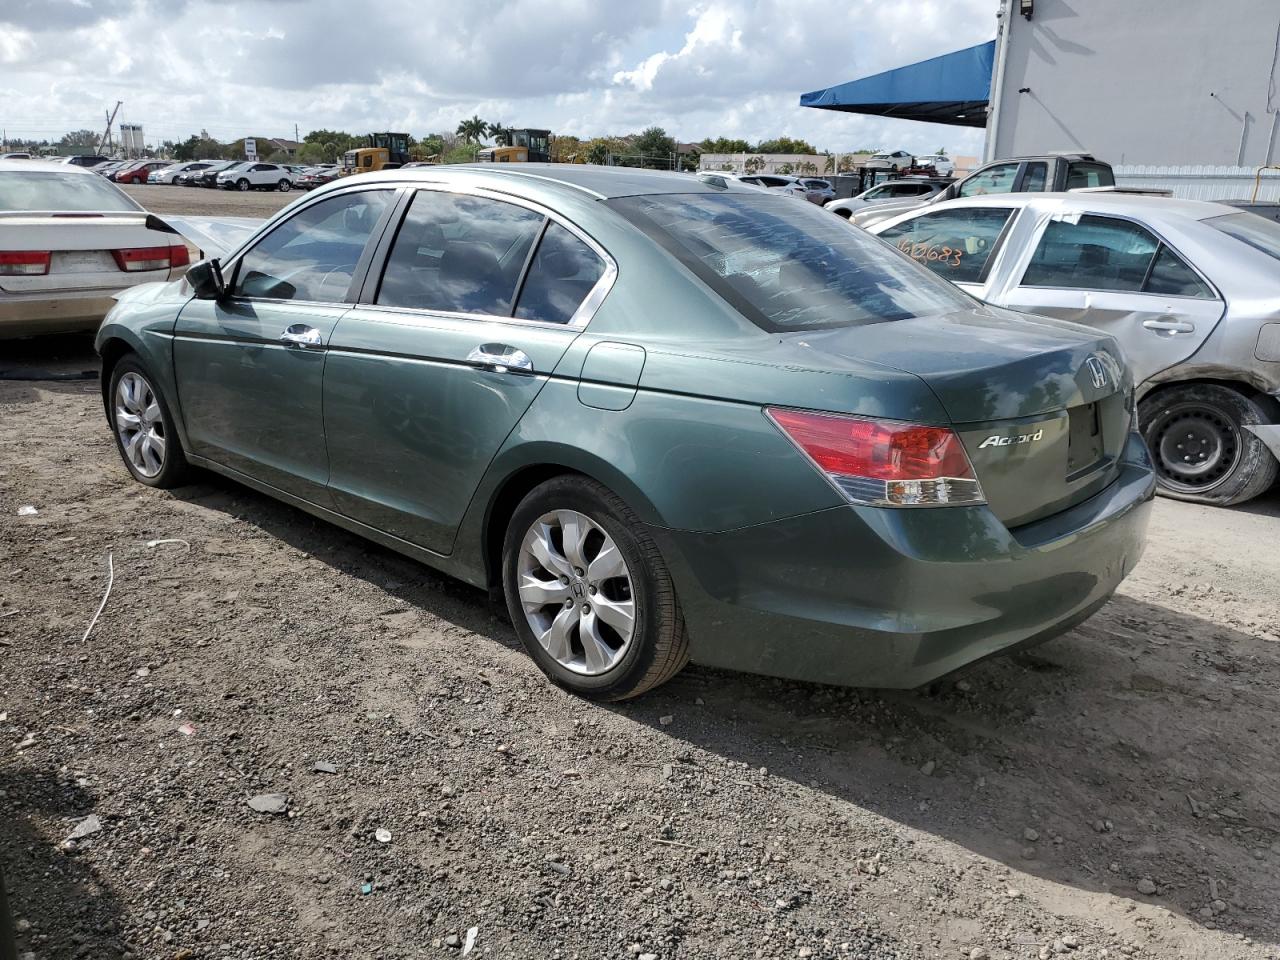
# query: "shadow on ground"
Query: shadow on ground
1140,746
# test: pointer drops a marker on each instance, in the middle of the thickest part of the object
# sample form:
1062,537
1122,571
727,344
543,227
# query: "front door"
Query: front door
1116,275
250,366
478,301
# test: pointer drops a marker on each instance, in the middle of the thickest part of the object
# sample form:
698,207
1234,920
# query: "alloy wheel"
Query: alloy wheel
140,424
576,592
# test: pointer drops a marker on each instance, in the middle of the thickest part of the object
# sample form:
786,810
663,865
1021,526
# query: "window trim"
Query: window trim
237,258
581,317
1043,224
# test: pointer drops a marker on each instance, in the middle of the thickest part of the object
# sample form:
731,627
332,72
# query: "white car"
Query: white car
774,182
69,240
943,165
170,173
15,156
908,188
251,175
897,160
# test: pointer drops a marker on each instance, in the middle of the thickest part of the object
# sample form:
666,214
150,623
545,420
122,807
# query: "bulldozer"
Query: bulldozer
519,146
383,151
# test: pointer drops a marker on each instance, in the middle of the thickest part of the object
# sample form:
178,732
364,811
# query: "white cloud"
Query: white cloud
718,67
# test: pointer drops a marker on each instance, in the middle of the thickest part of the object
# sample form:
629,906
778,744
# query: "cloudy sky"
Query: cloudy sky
585,67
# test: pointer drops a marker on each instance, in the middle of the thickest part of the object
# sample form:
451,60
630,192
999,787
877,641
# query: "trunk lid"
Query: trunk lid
1042,406
80,246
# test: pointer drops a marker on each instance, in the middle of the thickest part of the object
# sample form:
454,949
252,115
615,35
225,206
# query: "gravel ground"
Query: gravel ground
197,201
1115,793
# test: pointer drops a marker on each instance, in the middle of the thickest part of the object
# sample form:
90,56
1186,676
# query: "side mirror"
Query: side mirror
205,277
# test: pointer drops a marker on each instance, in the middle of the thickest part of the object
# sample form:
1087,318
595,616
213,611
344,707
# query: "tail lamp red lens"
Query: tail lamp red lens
884,463
134,259
24,263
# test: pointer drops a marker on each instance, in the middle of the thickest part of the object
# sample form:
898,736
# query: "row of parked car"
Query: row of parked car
227,174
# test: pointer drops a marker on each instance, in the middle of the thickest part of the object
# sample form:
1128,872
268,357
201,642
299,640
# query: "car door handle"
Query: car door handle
500,358
302,337
1170,326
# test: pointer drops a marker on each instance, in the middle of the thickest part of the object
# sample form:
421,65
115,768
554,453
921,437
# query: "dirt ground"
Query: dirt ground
1114,793
198,201
1017,811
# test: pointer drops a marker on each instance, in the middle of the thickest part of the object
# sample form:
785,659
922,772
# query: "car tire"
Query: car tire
242,184
1201,447
284,185
631,576
163,468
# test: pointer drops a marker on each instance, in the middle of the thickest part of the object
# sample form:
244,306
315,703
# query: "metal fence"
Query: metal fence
1202,182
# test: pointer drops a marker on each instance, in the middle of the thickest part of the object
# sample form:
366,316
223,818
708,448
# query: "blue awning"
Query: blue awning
953,88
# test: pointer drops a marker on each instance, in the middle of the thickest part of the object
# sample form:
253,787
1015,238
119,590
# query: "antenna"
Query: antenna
106,134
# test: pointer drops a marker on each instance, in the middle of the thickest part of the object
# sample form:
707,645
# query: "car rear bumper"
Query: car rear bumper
24,316
873,597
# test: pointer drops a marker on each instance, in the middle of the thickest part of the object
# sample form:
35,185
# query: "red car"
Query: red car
138,171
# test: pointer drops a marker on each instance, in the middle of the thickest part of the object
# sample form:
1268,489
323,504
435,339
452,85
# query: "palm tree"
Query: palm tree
501,135
472,130
830,165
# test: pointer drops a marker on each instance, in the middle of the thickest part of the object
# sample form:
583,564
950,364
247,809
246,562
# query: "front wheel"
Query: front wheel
242,184
143,427
1202,449
284,185
589,594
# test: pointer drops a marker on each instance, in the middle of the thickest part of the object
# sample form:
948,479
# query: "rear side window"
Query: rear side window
312,255
458,254
1034,177
563,272
1171,277
1084,174
787,265
1092,253
955,244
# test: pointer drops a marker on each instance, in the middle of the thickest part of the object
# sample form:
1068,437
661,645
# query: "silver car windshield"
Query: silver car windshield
787,265
1258,232
50,190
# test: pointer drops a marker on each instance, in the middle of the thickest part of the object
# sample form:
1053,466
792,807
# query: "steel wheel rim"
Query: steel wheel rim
576,592
140,425
1196,447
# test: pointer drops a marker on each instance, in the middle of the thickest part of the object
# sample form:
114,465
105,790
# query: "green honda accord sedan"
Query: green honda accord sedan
670,418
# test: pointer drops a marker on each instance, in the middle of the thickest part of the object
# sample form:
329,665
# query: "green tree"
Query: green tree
724,145
753,164
785,145
501,135
785,169
941,151
432,145
656,149
473,130
808,168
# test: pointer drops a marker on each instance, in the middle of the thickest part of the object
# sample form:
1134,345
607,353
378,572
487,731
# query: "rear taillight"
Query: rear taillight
24,263
883,463
152,258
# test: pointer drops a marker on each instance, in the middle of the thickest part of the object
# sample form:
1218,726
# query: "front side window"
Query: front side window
563,272
996,179
955,244
313,255
458,254
786,265
1092,253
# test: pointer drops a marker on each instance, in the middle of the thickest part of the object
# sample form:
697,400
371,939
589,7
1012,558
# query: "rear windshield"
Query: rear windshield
1258,232
787,264
49,190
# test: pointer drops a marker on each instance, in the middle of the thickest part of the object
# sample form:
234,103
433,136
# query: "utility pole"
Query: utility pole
106,134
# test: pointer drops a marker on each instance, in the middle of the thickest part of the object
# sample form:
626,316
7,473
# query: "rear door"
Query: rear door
1118,275
479,298
249,367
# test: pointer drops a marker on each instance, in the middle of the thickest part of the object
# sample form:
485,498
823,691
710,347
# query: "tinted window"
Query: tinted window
1094,253
1171,277
787,265
563,271
955,244
1034,177
1083,174
22,190
313,255
997,179
458,254
1256,231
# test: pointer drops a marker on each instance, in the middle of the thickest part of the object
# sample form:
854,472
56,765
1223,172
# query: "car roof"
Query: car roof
1093,202
47,166
601,183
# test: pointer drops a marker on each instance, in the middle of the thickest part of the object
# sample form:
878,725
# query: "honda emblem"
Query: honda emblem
1098,372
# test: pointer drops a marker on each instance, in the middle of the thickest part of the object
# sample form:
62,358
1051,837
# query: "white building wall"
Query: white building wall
1171,82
